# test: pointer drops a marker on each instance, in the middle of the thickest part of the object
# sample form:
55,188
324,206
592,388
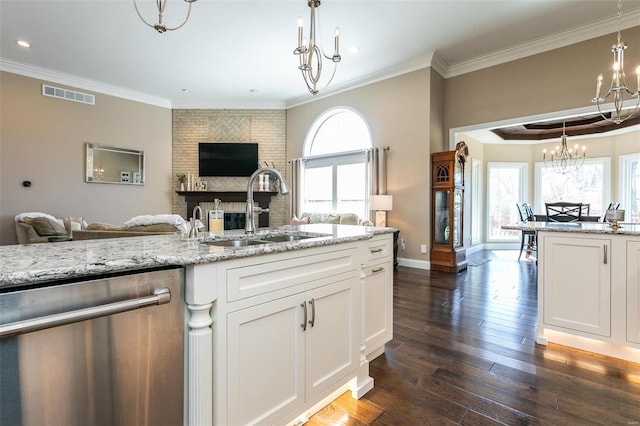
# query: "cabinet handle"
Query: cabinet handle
376,270
605,254
378,250
312,302
304,322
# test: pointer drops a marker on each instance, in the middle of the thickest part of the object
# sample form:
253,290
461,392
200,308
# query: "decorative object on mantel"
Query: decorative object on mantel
194,183
618,84
160,27
613,217
564,160
311,54
182,178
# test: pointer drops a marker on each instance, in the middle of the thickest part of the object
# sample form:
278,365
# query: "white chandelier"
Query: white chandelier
562,159
618,90
160,27
311,54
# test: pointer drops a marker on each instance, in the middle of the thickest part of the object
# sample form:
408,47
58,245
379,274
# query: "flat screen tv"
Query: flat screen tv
227,159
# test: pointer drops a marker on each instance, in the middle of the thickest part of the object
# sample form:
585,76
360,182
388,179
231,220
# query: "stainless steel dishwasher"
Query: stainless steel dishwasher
95,352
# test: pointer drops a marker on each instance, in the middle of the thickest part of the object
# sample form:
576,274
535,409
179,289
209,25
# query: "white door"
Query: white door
633,291
265,375
577,284
332,343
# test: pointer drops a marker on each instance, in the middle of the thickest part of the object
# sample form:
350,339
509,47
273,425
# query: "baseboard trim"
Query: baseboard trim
414,263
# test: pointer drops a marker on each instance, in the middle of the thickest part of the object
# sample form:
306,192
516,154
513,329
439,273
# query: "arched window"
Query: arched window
335,168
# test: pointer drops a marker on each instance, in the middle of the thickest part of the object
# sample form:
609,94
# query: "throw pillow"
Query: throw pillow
296,221
46,227
333,219
349,219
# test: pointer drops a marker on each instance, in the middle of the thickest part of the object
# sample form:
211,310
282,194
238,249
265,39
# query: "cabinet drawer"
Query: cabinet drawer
269,276
379,247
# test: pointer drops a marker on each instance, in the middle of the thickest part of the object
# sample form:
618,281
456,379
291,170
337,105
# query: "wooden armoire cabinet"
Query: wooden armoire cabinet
447,201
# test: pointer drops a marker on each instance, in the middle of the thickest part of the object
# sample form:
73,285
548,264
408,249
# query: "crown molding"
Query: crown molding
39,73
545,44
228,105
439,64
415,64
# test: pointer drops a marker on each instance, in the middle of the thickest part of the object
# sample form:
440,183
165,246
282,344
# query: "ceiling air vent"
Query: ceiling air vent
69,95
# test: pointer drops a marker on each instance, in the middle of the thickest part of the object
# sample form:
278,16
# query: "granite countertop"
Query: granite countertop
36,263
582,227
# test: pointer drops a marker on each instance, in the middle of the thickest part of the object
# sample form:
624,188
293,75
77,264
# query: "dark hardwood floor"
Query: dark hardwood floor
464,353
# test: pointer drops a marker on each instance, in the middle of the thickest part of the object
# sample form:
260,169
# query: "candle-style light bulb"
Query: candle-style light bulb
337,40
599,86
638,79
300,31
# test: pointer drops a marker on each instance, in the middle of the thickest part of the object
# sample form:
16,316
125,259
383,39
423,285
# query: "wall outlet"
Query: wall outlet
403,245
423,248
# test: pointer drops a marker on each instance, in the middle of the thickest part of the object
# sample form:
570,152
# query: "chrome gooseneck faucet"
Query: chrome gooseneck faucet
250,227
194,233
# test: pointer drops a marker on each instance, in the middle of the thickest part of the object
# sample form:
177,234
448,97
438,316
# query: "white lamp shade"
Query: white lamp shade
382,202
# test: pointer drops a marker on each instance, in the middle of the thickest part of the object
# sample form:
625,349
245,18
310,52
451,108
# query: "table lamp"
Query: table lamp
381,204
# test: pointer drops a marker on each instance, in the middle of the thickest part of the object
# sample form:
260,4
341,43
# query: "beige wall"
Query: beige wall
42,140
398,113
267,128
558,80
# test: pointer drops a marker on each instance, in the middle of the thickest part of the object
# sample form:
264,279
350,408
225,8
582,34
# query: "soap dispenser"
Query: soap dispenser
216,218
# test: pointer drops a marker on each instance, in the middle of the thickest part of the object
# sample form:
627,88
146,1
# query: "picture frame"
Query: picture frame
125,176
137,177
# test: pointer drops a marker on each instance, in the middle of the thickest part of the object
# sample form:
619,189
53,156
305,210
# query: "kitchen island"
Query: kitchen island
275,327
588,286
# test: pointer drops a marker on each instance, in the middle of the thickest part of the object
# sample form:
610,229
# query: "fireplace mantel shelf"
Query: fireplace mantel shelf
262,199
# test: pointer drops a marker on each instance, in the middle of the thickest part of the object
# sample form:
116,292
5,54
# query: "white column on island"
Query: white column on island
200,387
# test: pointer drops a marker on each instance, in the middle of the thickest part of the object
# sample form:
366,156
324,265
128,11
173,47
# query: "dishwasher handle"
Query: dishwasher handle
159,297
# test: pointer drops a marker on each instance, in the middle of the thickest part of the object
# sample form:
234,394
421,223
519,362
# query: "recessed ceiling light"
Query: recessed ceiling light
354,49
23,43
186,90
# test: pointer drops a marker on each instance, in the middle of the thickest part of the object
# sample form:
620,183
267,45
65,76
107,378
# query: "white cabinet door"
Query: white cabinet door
377,306
633,291
265,375
577,284
332,335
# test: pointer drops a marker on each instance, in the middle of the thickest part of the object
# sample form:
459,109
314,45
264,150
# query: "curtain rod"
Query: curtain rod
338,154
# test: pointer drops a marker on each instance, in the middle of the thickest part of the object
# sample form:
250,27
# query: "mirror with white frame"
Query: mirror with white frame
109,164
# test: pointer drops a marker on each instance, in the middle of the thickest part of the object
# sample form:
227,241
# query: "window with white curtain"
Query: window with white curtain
590,184
506,183
630,187
334,177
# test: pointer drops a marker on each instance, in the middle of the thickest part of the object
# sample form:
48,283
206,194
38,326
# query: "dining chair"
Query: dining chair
528,238
564,212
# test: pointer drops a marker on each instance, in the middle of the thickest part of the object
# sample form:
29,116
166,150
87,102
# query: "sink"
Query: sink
235,243
261,240
286,237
